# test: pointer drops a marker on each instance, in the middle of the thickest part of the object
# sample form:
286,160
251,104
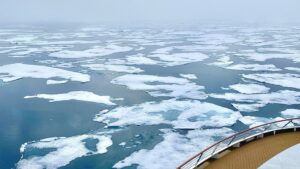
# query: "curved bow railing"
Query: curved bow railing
237,138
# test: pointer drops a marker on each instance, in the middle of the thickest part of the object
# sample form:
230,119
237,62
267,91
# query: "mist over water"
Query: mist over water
154,11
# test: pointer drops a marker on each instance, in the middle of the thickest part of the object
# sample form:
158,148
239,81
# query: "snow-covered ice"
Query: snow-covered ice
75,95
180,114
285,80
16,71
62,150
249,88
174,146
166,86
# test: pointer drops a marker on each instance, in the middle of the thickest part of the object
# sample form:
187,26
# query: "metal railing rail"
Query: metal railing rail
238,138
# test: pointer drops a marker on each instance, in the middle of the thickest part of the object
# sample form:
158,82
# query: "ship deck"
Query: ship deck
253,154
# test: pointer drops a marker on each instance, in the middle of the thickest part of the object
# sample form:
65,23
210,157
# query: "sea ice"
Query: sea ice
115,68
249,88
166,86
174,146
75,95
62,150
188,76
285,80
19,70
180,114
93,52
291,113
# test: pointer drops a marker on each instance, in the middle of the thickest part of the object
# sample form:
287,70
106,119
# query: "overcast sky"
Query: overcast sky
262,11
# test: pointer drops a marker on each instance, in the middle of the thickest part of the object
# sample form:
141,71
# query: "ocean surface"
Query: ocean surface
98,97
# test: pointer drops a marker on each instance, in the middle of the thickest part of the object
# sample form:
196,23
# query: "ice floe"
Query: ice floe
174,146
249,88
285,80
62,150
248,107
179,58
188,76
19,70
75,95
266,56
51,82
293,69
291,113
92,52
114,68
167,86
286,97
253,67
180,114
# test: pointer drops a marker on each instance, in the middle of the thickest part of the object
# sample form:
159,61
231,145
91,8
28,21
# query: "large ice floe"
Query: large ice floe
258,100
291,113
75,95
166,86
179,114
114,68
285,80
266,56
179,58
174,146
16,71
226,63
92,52
249,88
60,151
253,67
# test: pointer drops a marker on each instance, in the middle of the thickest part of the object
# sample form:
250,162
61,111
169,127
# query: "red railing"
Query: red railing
237,138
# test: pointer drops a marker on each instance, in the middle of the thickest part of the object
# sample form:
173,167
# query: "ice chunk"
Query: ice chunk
180,114
188,76
291,113
75,95
115,68
166,86
50,82
249,88
93,52
174,146
19,70
62,150
285,80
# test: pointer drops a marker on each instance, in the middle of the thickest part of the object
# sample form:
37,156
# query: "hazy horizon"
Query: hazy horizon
154,11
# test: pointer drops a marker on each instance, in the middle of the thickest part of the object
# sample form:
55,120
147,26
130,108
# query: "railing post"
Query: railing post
215,148
198,159
231,140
